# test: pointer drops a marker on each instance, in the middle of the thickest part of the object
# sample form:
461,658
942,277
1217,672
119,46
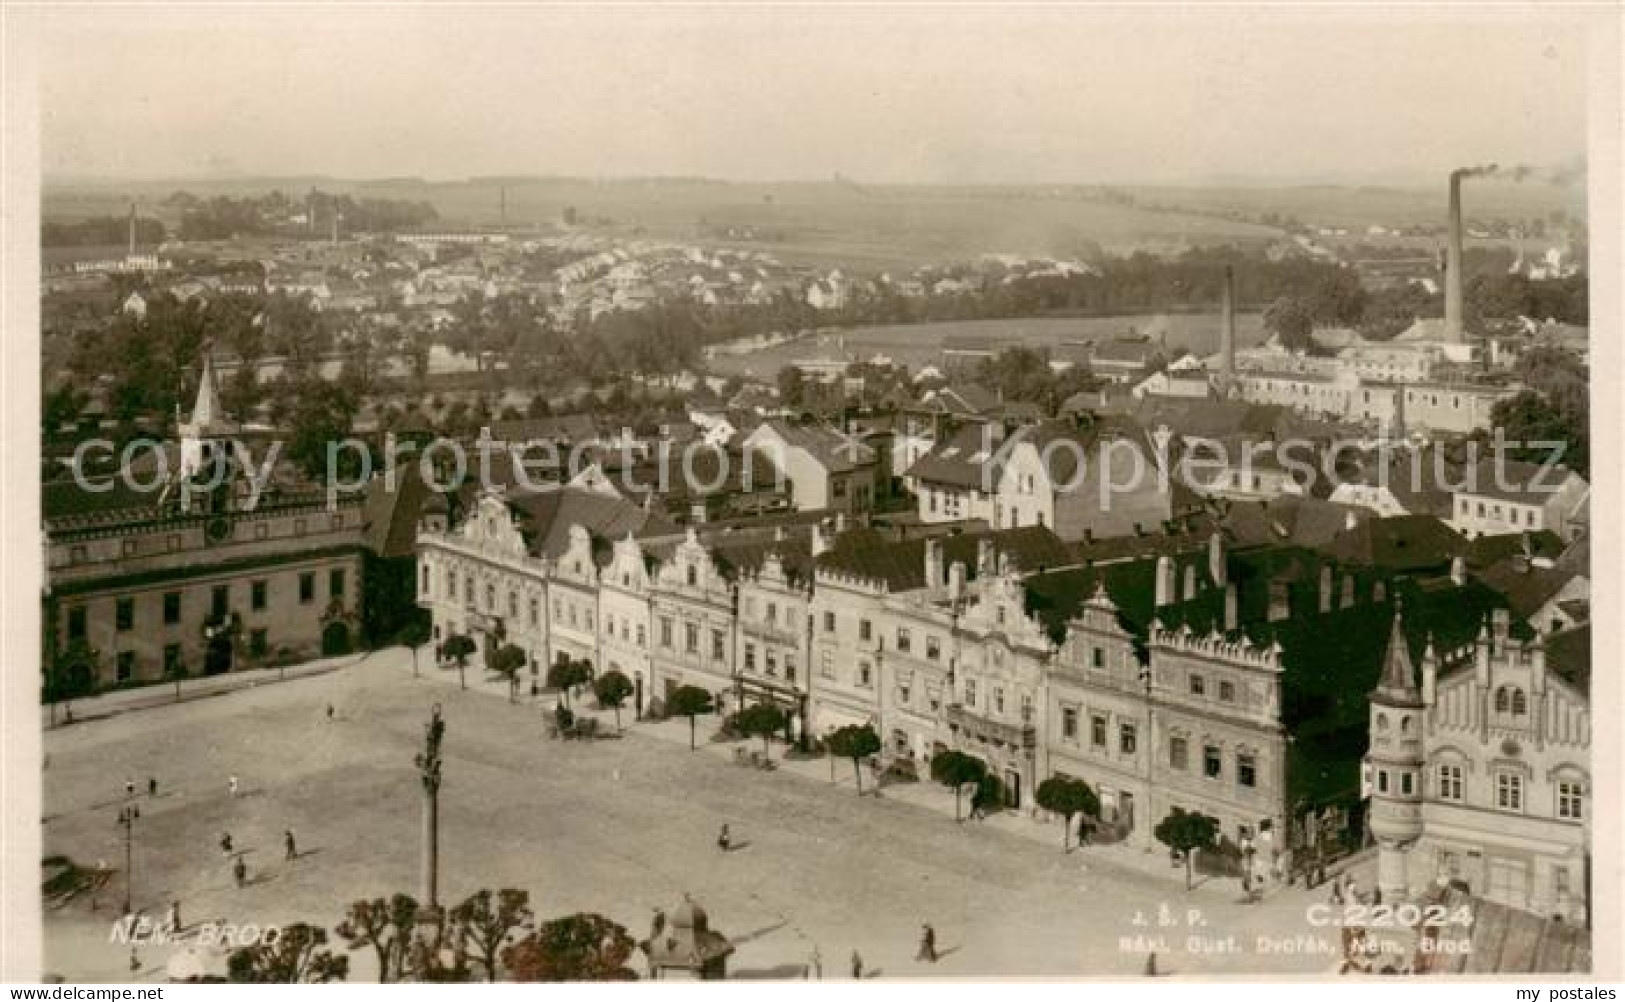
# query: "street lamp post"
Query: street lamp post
428,764
127,817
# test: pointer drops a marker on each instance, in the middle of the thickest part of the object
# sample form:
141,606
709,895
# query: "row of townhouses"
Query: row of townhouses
1165,670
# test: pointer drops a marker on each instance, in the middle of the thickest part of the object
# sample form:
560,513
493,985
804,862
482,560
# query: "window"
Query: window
750,657
535,612
1382,780
468,589
256,596
513,605
126,666
902,693
1520,703
829,622
307,588
257,643
1227,692
693,575
772,612
1449,782
1570,800
172,608
76,623
490,595
172,660
1509,791
1097,658
933,649
665,632
789,667
970,692
865,630
1097,730
423,580
718,646
643,635
691,638
1198,685
1126,736
838,488
903,640
865,674
220,601
1246,769
998,699
1069,723
1405,783
1212,765
1177,753
451,583
124,614
826,665
1502,702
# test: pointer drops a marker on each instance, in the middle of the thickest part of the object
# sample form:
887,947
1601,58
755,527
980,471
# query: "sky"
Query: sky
895,94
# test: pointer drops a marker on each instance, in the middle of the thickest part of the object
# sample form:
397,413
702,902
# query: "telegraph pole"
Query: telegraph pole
428,764
126,818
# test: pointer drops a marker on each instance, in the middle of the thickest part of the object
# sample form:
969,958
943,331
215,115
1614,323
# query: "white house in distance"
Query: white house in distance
826,469
1519,497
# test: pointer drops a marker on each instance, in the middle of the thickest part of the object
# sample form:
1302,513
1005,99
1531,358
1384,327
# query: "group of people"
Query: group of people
239,866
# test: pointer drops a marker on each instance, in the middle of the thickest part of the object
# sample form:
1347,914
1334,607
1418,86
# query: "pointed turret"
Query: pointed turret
1397,686
206,410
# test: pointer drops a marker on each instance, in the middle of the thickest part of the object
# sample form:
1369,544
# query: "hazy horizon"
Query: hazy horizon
883,95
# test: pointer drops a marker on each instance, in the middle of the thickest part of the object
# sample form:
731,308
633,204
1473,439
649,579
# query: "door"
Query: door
1125,811
1012,789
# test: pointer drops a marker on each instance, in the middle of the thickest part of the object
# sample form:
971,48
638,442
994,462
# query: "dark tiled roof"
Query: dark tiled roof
949,462
1489,550
900,564
1525,587
391,516
1400,543
546,517
1568,656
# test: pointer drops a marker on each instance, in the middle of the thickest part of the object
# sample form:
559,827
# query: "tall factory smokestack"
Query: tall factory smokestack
1227,336
1453,265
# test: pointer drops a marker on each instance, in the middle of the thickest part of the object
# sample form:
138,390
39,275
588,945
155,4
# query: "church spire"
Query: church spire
206,411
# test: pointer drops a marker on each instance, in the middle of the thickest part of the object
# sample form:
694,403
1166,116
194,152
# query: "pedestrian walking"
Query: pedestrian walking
172,922
135,960
330,713
129,787
152,786
724,839
240,871
857,966
928,944
225,843
288,844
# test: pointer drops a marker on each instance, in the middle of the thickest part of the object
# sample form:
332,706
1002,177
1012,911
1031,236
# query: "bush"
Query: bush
563,716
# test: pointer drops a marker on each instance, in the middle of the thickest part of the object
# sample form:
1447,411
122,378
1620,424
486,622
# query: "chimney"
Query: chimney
1452,263
1458,571
1216,568
984,557
819,544
1346,599
956,581
1325,594
1190,582
1230,607
933,564
1280,602
1227,334
1165,581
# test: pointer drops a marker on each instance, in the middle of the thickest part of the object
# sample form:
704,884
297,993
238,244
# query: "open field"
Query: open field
917,345
618,827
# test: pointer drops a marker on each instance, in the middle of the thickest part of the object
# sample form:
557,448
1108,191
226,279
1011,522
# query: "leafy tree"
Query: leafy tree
763,720
1185,832
1529,418
385,926
295,957
856,742
459,648
414,634
507,660
689,701
955,769
488,920
1067,797
1292,322
613,689
792,386
580,947
566,675
322,414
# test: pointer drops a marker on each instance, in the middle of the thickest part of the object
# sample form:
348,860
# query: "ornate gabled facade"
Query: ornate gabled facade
573,601
1505,801
692,612
774,639
624,587
480,579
